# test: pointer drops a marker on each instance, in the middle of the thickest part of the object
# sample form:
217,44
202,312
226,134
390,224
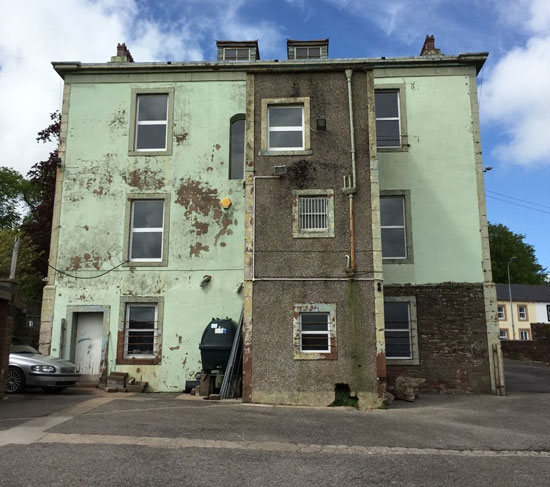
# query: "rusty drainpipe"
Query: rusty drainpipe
351,189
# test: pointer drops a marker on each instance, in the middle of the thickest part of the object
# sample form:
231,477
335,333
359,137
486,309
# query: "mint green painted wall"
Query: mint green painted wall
439,170
98,177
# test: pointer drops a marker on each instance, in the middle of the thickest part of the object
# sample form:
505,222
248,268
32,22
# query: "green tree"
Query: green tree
524,269
16,195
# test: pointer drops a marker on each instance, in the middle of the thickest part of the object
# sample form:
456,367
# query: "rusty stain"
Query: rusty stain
209,169
180,138
200,227
196,197
224,230
144,179
217,146
86,227
195,250
98,191
222,244
179,340
184,361
76,263
174,348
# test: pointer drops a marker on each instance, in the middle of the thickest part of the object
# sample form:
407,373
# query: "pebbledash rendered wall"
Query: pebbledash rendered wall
98,175
449,273
291,270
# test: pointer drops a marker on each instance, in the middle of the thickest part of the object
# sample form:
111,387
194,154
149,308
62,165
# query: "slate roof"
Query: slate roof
524,292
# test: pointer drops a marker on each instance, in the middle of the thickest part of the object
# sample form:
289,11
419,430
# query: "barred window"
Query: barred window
313,213
314,332
141,330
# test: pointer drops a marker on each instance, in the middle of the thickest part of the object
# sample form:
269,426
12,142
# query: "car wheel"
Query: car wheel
16,381
54,390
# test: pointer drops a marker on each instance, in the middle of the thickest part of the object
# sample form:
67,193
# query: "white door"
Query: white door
89,333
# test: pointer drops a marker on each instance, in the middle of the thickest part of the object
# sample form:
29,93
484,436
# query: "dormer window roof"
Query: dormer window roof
238,51
316,50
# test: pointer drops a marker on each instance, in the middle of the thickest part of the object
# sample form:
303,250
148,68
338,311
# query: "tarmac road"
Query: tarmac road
154,439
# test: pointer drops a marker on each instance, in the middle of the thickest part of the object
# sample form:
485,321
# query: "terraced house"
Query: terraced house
338,202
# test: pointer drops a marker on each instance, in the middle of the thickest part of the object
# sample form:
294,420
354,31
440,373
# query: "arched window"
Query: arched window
236,151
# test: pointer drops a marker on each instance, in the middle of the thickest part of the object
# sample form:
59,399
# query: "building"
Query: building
530,304
354,236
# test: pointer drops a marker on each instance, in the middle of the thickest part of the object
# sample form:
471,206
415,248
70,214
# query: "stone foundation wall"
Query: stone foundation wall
537,349
452,338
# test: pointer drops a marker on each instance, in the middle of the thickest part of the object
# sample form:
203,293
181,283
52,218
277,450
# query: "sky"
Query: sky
513,86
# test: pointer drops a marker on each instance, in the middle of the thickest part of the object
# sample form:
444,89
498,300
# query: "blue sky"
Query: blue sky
513,85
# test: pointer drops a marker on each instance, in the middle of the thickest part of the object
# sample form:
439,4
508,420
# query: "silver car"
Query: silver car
29,368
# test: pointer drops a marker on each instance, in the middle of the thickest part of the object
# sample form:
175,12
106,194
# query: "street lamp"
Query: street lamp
510,295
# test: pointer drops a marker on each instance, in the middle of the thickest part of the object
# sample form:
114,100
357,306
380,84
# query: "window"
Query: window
524,334
522,312
307,53
548,311
314,331
240,54
285,123
400,330
286,128
146,231
236,158
141,330
313,213
392,223
388,120
501,312
503,334
151,122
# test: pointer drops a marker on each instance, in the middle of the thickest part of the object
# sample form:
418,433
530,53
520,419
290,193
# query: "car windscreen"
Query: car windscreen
22,349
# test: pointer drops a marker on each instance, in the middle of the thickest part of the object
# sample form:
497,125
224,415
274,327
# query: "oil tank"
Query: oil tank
216,344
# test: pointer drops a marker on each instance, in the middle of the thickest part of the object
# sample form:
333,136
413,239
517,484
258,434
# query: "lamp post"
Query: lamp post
510,295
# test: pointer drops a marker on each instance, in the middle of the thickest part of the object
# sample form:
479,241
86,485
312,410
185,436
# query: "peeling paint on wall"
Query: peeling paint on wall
144,179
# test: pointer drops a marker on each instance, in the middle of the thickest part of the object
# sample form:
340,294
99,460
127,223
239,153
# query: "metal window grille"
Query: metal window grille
313,213
141,337
315,332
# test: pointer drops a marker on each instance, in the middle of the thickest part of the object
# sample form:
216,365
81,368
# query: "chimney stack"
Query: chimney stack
429,49
123,54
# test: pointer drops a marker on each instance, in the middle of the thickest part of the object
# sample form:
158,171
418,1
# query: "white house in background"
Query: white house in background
530,304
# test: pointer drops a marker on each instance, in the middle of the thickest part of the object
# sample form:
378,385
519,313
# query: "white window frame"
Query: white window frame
404,226
236,49
520,313
414,358
155,330
524,334
146,230
323,333
289,128
398,118
307,53
501,316
151,122
503,334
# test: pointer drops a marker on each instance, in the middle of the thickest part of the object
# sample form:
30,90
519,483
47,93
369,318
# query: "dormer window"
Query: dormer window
237,51
241,54
308,53
316,50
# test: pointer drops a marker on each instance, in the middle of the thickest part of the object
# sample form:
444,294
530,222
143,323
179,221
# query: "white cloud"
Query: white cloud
517,96
36,32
